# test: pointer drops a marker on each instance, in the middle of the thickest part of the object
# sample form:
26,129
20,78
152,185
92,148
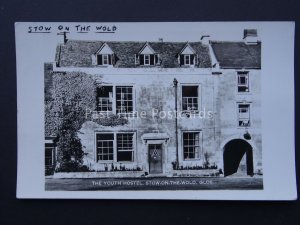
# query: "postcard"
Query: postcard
171,110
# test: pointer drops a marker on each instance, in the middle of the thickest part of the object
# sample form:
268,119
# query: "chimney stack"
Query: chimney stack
250,36
65,39
205,39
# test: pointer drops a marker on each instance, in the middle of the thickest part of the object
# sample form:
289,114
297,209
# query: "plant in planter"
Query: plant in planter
175,165
206,163
105,167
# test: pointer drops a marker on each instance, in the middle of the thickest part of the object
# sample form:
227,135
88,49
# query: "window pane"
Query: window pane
105,59
244,115
104,98
124,156
243,84
124,101
48,156
125,147
190,145
147,59
189,97
187,59
105,148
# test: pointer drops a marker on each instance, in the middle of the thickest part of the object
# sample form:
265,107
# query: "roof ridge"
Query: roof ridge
214,41
225,42
173,42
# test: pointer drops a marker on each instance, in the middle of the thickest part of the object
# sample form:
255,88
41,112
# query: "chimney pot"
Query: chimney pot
205,39
250,36
65,39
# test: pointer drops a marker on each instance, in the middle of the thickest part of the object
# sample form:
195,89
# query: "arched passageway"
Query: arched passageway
234,151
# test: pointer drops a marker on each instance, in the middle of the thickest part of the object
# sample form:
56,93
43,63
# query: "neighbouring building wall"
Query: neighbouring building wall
227,100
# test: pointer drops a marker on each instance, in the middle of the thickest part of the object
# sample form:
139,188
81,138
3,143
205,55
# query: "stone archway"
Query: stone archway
235,151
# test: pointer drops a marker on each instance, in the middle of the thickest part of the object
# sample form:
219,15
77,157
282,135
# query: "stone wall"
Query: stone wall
218,93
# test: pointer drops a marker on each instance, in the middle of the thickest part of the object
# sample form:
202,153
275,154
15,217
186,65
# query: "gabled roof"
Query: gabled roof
78,53
146,49
187,49
237,54
104,49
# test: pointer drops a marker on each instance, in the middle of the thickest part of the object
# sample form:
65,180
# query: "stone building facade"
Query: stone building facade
193,108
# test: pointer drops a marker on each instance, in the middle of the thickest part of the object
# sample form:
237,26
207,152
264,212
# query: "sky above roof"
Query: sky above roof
185,31
182,32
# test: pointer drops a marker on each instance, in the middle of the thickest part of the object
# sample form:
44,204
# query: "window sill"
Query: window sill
191,160
189,112
245,127
243,93
148,66
114,162
105,112
188,66
125,162
128,114
105,66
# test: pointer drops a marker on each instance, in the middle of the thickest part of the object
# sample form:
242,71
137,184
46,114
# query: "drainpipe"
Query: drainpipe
175,82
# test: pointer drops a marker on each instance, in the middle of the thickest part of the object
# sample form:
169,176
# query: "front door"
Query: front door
155,159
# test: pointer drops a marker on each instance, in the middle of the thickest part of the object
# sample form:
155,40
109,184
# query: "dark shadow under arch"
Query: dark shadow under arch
233,153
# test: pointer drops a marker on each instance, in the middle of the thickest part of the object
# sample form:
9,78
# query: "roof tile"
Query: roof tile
77,53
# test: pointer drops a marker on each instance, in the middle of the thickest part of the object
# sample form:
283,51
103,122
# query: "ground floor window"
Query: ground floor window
49,155
105,147
124,147
191,145
50,158
115,147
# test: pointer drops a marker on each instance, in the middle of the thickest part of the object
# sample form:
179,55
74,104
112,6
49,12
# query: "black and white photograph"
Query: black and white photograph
154,114
150,107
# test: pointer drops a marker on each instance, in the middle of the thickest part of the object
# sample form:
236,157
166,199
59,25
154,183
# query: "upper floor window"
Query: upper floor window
124,99
243,114
146,56
117,99
104,59
105,98
105,55
187,56
243,81
187,60
189,98
148,59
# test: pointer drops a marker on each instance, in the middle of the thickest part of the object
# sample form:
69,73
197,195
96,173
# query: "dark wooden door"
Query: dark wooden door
155,159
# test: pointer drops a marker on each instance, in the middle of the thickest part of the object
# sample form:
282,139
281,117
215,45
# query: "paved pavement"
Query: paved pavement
113,184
